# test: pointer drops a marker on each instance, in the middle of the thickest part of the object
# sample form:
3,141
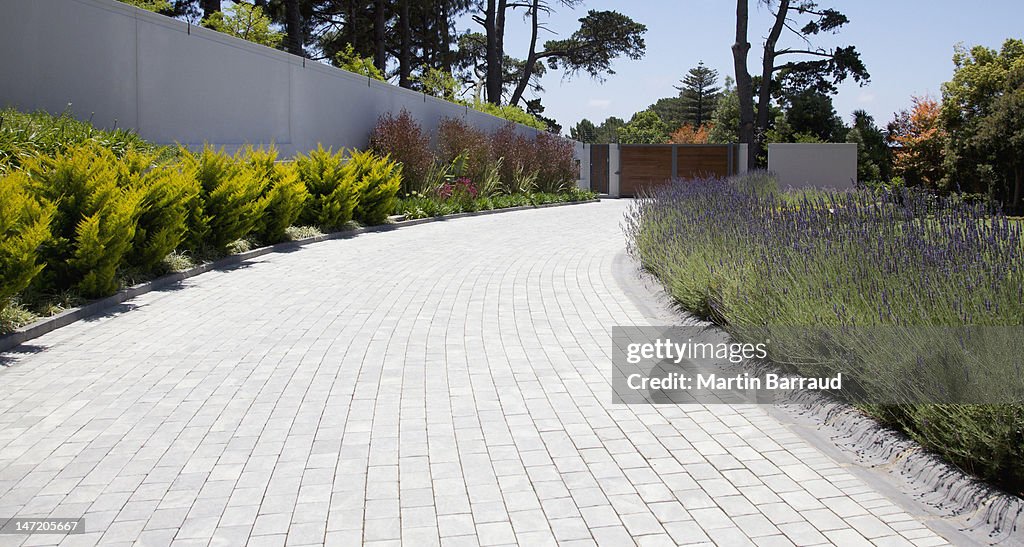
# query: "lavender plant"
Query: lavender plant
880,286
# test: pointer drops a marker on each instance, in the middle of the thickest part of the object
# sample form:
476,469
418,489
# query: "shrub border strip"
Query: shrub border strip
43,326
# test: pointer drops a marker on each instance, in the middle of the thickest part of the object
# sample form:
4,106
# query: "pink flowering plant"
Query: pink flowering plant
460,189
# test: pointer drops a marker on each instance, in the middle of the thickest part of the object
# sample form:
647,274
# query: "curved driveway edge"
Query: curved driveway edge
47,324
444,385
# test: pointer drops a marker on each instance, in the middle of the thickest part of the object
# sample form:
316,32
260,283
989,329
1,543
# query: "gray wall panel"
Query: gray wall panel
814,165
56,68
173,82
246,101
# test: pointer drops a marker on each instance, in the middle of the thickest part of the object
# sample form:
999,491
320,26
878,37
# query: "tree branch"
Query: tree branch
819,53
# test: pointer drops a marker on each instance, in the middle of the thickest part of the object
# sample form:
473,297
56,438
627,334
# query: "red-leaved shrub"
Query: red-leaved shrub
455,137
402,138
553,157
514,152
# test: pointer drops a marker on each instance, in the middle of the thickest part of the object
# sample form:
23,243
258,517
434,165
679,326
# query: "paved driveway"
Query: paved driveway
445,383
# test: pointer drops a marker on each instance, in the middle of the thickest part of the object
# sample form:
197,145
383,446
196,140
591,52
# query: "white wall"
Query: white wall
613,170
583,156
173,82
814,165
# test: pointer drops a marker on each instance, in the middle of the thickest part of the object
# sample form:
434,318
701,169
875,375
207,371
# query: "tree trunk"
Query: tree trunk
494,73
444,38
531,59
744,84
499,23
293,27
405,50
767,70
379,31
210,7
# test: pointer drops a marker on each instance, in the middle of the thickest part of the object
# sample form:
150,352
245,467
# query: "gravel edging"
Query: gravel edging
66,317
963,508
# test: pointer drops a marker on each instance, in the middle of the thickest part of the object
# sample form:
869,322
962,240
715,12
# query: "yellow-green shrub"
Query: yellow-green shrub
378,179
167,194
95,221
284,194
333,194
24,227
230,206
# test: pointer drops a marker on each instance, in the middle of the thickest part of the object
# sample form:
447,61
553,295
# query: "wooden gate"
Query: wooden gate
643,166
599,168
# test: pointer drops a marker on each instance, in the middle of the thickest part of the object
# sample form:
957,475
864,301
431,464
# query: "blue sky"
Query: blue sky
907,46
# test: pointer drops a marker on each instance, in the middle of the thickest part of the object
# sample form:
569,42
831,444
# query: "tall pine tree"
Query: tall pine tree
699,93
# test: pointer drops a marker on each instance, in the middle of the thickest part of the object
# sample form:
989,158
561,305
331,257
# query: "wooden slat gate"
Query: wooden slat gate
643,166
599,168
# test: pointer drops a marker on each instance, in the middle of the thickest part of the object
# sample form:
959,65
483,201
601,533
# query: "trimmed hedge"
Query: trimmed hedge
230,207
82,210
168,193
78,222
378,180
333,194
284,195
96,217
24,227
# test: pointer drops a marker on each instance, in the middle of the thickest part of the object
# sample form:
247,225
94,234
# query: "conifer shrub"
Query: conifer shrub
230,204
167,194
24,228
95,221
333,195
284,194
379,179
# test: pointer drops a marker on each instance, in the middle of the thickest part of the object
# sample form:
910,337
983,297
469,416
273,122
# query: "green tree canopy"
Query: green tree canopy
584,131
644,128
810,113
245,21
671,110
874,159
981,115
725,120
348,59
608,131
603,36
150,5
805,65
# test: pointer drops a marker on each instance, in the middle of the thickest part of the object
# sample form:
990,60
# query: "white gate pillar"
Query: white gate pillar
613,170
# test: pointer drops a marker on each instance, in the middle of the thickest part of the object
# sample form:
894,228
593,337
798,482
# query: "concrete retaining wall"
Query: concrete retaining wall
175,82
814,165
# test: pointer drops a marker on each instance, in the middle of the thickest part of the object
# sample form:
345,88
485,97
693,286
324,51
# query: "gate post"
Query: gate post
675,161
583,163
613,170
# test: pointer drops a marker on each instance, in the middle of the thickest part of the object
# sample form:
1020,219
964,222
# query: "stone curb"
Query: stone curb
66,317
